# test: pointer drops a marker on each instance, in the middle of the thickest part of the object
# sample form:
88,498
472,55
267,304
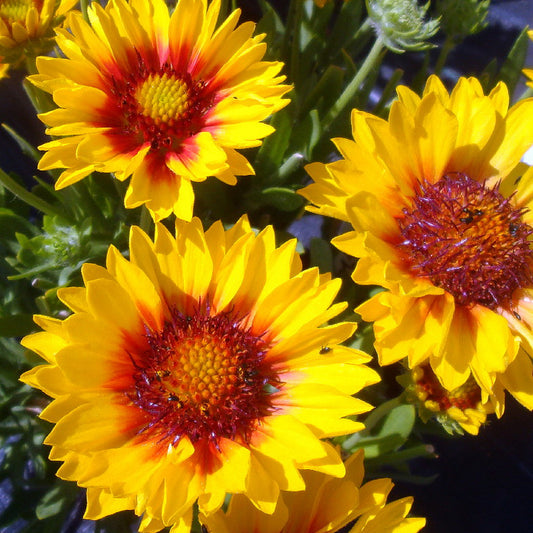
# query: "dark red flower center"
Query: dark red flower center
468,239
436,397
161,106
204,377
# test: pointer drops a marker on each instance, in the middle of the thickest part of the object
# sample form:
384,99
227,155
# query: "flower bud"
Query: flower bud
400,24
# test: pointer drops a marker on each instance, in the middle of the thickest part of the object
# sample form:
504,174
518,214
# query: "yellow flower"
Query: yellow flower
197,368
456,410
529,71
442,224
165,99
26,26
327,505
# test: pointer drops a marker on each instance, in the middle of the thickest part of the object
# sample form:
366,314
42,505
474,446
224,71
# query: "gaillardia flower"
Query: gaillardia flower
194,369
456,410
327,505
27,27
443,222
165,99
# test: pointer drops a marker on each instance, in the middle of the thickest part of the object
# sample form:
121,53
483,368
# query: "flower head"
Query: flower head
456,410
327,505
194,369
26,27
165,99
444,224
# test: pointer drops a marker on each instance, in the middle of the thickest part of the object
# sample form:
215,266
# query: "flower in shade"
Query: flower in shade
165,99
26,27
456,410
327,505
442,221
196,368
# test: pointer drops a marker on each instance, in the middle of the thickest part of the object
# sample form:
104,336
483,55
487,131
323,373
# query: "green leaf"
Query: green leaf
274,146
387,428
321,254
281,198
512,67
51,503
326,90
26,147
16,325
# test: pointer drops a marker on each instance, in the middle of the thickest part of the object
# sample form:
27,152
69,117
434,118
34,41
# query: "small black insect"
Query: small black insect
324,350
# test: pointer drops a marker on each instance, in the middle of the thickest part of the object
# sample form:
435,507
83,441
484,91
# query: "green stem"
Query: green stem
447,47
84,4
402,456
26,196
31,67
348,94
286,169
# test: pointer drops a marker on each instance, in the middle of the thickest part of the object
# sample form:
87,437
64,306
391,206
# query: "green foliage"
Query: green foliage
460,18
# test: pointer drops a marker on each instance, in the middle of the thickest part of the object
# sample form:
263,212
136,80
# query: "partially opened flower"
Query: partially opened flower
442,222
327,505
194,369
165,99
456,410
27,27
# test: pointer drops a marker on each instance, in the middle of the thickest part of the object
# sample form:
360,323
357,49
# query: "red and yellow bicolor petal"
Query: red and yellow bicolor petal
198,367
167,99
439,204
